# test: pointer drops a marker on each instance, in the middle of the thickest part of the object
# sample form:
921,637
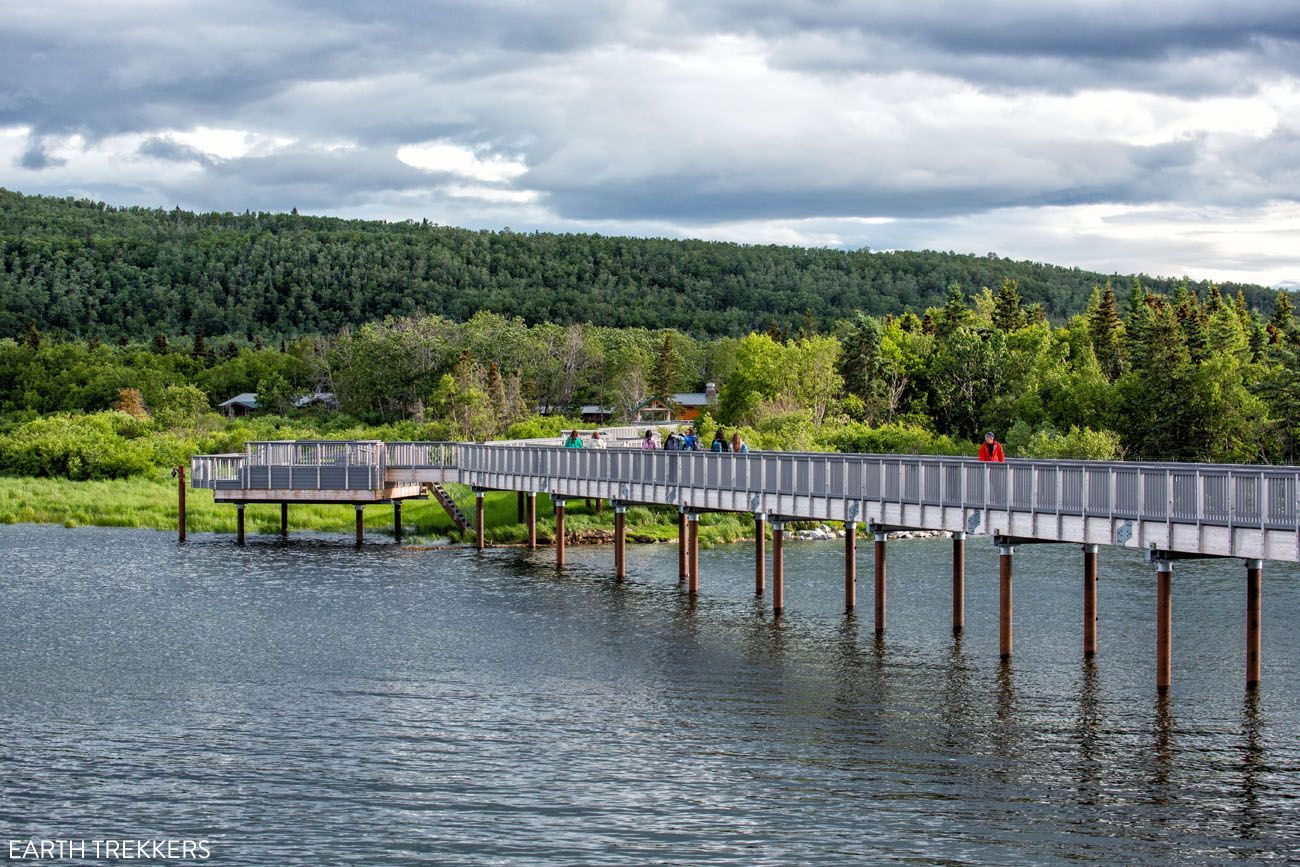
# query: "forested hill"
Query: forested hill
89,269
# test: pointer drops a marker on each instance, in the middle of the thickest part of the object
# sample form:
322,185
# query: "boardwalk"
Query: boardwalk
1169,511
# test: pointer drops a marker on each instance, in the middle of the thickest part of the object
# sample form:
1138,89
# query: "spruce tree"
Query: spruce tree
1107,332
666,371
160,345
1008,314
1283,319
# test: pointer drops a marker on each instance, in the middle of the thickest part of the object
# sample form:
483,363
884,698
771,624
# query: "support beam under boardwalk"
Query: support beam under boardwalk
559,534
850,566
958,583
682,546
1005,553
778,567
881,538
239,523
180,503
760,556
693,542
1254,582
478,520
532,520
1089,601
620,541
397,520
1164,624
361,525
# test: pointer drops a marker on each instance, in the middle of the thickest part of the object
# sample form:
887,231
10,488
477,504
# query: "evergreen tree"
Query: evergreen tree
198,350
1106,330
1193,322
860,360
1008,314
954,314
667,369
1141,310
33,337
1283,319
496,388
160,345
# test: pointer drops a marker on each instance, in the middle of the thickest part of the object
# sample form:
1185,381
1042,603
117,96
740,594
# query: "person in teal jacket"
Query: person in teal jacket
574,441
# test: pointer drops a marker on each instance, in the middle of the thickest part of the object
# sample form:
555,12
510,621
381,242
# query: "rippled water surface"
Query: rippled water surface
308,703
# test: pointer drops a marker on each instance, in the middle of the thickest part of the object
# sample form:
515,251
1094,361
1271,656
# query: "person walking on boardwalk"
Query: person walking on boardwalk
598,441
719,443
738,445
690,442
574,441
992,449
648,442
672,442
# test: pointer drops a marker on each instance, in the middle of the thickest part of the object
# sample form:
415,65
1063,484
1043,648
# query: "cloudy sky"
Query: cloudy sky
1156,136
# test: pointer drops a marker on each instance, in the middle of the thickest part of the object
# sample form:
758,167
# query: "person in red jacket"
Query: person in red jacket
992,449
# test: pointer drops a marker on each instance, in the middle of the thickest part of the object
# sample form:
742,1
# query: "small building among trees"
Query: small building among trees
240,405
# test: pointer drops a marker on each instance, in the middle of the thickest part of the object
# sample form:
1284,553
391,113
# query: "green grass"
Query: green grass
151,503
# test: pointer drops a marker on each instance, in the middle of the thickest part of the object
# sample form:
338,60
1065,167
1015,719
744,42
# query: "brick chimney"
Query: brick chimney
710,392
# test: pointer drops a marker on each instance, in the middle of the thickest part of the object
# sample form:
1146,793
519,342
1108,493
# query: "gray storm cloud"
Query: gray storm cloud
666,117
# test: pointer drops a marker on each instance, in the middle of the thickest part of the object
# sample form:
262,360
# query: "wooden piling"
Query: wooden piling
620,541
239,523
559,534
850,565
180,504
361,525
519,507
760,556
1164,624
397,520
778,567
1004,600
532,520
284,520
478,520
958,582
1089,601
879,552
681,546
1254,582
693,537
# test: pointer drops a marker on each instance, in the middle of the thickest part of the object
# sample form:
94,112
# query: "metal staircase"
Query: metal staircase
457,501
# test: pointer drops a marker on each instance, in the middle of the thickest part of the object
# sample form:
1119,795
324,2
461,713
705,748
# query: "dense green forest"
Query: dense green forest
83,268
1161,377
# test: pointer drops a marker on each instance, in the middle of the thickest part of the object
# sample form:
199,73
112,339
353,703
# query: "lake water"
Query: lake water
308,703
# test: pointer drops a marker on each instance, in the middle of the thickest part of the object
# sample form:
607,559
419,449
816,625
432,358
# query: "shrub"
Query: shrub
895,439
77,447
540,426
1076,443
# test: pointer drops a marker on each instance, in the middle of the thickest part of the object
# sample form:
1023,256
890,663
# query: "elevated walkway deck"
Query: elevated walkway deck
1186,509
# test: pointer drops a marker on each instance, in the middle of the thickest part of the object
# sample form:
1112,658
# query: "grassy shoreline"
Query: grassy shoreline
150,503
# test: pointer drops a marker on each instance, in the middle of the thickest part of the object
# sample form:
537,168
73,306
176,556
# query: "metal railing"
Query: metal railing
217,471
1227,495
323,465
415,455
1213,494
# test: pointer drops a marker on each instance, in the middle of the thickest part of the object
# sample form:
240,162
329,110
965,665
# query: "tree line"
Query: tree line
1162,376
80,268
